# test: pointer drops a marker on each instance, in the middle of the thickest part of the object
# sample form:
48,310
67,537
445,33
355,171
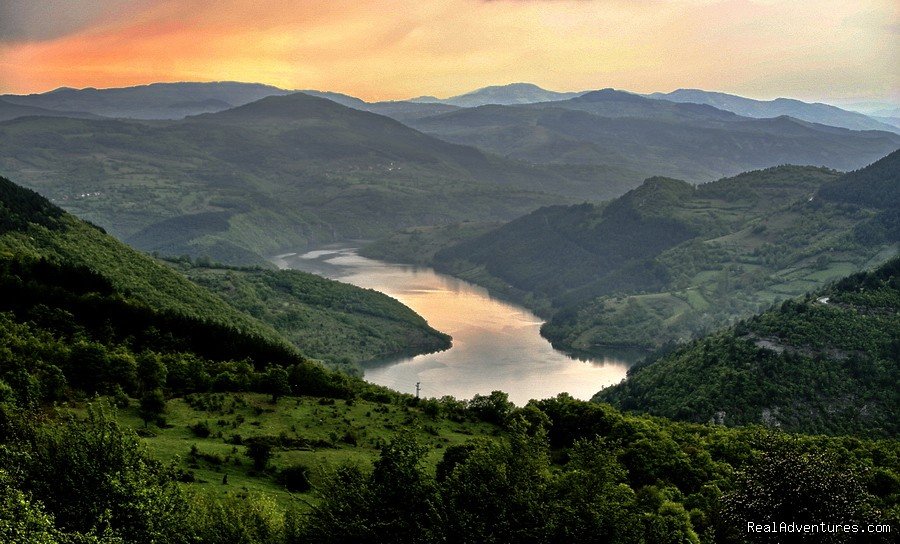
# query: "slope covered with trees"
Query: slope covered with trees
335,322
829,362
273,176
222,435
82,310
669,260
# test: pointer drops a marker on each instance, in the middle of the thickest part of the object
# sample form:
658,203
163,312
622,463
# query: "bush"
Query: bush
295,479
200,429
235,519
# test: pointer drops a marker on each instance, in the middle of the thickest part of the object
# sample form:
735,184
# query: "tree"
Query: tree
396,502
93,476
259,450
789,481
497,492
153,404
275,382
22,521
151,371
494,408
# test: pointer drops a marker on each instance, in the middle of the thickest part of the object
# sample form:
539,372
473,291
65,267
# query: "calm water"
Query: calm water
496,345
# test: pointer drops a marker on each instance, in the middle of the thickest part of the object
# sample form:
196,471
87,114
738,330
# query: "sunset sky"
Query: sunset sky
393,49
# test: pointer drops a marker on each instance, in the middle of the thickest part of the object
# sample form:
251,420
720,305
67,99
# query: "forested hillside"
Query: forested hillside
273,176
827,363
81,309
337,323
669,260
212,430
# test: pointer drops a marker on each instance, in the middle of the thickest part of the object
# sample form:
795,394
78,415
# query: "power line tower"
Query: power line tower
417,389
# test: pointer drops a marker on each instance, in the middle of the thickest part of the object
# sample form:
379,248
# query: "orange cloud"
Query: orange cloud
390,49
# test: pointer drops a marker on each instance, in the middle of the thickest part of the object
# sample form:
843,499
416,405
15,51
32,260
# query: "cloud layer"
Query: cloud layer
395,49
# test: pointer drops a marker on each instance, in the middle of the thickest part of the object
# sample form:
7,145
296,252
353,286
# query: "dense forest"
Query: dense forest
826,363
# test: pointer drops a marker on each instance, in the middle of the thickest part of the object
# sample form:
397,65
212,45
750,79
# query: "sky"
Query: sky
835,50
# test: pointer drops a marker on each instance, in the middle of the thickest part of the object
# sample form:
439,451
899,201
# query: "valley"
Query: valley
510,316
667,260
496,345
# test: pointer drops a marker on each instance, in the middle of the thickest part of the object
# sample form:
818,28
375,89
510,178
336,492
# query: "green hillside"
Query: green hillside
211,432
79,305
667,260
335,322
35,234
274,175
827,363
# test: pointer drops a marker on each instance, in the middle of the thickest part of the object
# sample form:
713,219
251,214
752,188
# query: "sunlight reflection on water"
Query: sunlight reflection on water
496,344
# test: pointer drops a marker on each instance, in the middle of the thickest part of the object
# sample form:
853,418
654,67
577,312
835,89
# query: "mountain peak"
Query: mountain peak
521,86
287,107
504,95
610,94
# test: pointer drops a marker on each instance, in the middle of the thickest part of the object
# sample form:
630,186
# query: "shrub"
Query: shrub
295,479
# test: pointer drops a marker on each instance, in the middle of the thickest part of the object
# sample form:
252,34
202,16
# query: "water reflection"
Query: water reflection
496,345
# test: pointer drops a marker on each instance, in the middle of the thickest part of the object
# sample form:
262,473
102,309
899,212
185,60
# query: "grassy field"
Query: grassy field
317,433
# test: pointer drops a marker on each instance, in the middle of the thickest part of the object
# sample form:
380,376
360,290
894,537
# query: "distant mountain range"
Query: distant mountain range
694,142
178,100
287,170
815,113
9,110
154,101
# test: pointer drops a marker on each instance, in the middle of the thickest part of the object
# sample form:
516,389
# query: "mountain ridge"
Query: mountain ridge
668,260
816,112
273,176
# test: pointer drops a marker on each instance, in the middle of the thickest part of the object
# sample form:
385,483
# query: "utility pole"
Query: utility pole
417,389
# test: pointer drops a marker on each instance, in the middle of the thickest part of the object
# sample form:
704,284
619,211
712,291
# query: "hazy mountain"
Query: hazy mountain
873,108
769,369
155,101
893,121
407,112
654,137
514,93
668,259
612,103
8,111
340,98
275,175
400,110
815,113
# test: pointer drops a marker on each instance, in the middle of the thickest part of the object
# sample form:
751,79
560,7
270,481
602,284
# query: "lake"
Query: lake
496,344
